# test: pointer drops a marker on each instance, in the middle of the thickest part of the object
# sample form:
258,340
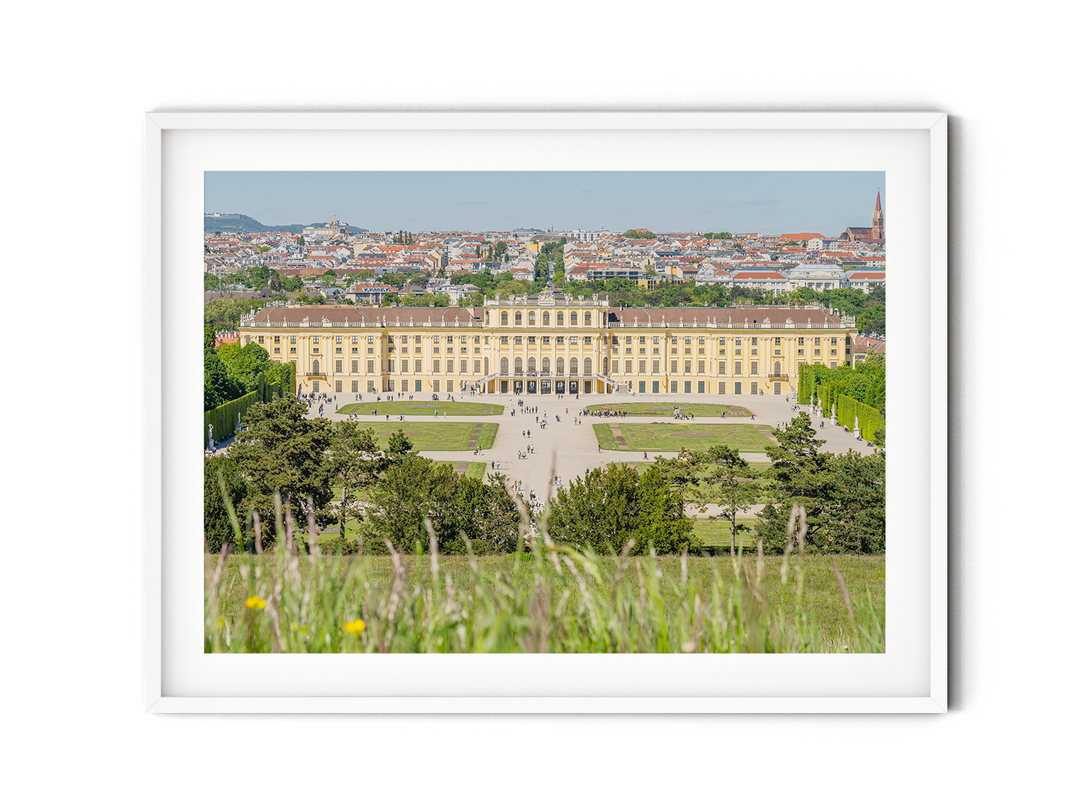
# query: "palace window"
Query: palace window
370,366
560,340
738,367
532,340
655,366
573,340
277,339
700,366
546,341
337,339
573,319
261,339
776,341
722,368
315,340
801,342
517,340
517,319
753,366
503,319
641,367
504,341
588,341
547,319
355,366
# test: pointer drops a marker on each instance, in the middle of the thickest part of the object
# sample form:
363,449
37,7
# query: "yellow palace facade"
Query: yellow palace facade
548,343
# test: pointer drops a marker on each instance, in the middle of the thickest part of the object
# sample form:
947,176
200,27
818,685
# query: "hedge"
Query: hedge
224,417
817,381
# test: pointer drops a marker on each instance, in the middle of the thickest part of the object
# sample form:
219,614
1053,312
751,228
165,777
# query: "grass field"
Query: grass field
559,602
642,438
715,535
396,407
667,408
439,435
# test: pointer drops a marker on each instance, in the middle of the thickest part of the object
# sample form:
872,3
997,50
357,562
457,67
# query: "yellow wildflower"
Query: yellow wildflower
356,628
255,603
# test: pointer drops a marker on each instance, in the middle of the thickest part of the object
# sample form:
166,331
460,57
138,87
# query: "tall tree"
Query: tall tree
855,519
281,450
355,461
733,485
800,474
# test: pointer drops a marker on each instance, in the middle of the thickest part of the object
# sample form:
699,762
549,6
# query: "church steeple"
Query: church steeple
877,231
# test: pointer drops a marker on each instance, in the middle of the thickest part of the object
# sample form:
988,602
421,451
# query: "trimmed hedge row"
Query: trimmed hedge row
816,381
224,417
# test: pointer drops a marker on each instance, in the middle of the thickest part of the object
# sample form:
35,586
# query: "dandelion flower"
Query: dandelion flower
255,603
356,628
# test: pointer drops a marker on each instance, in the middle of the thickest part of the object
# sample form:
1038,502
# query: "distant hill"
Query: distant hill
233,223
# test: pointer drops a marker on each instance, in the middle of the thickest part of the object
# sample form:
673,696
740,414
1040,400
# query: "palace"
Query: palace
549,343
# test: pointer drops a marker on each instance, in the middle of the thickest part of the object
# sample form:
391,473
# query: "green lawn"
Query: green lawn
667,408
394,408
641,438
438,435
716,534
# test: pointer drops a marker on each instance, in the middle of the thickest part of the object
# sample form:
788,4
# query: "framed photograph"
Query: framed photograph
909,149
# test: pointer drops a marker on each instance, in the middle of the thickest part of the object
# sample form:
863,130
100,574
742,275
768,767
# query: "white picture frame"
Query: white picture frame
911,677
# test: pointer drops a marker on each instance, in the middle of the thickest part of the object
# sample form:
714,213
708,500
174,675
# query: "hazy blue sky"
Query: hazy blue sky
766,202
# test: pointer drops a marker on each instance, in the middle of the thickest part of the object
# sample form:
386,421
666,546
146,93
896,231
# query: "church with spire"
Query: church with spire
875,234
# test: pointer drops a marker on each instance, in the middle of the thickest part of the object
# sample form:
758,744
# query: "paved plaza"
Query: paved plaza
567,449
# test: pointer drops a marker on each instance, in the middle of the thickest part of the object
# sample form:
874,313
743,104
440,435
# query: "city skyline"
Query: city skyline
761,202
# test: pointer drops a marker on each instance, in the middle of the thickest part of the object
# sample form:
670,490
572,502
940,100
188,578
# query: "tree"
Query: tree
355,461
244,363
599,510
391,300
611,505
735,488
218,386
403,498
281,450
217,526
662,522
800,474
483,512
855,519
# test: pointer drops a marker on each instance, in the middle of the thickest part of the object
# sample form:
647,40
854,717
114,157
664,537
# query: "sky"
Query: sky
762,202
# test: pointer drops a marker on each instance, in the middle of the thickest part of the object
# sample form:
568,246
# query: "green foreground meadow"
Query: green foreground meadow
553,599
